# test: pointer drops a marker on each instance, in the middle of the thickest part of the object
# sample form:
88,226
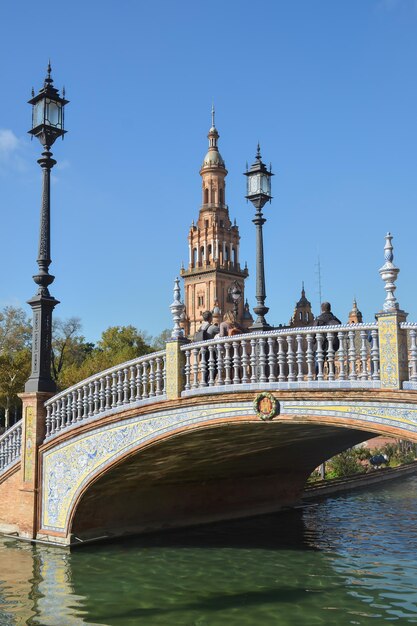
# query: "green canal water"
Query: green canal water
350,559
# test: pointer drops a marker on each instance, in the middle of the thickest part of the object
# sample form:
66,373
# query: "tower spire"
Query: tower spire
213,112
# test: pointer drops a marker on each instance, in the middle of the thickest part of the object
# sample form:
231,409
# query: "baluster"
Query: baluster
227,364
151,378
291,358
69,409
220,364
53,418
90,399
236,363
253,359
125,385
272,360
85,401
320,356
138,382
58,424
79,404
113,390
262,360
212,365
13,444
341,355
119,387
164,369
195,368
245,361
9,450
203,367
96,404
364,355
48,420
132,386
145,380
187,370
352,355
2,459
300,358
310,357
330,356
375,354
102,394
158,376
63,413
74,407
281,358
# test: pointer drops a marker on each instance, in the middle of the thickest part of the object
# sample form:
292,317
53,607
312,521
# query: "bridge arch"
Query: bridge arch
200,462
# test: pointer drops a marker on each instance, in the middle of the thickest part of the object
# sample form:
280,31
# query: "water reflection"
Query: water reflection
346,560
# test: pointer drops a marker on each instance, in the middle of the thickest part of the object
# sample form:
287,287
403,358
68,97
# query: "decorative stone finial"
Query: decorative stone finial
389,274
177,309
213,125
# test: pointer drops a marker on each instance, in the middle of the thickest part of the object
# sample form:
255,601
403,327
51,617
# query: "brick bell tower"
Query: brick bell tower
213,243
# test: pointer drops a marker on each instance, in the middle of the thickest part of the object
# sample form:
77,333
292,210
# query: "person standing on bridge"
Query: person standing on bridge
207,329
326,318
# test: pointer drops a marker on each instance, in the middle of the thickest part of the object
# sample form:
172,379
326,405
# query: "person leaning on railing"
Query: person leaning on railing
229,325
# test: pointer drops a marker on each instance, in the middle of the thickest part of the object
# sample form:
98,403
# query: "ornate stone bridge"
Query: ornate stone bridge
205,431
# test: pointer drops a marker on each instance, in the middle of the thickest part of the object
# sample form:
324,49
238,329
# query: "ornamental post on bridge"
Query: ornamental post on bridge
392,338
175,357
47,126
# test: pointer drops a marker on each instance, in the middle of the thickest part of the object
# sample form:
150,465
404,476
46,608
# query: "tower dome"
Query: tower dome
213,157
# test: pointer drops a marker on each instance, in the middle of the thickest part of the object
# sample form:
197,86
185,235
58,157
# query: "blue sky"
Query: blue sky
328,88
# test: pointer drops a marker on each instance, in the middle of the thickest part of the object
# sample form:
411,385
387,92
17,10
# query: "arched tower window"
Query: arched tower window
194,257
209,252
226,254
234,256
206,195
221,200
301,316
202,253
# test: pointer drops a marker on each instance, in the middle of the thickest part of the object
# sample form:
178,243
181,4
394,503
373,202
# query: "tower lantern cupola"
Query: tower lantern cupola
213,242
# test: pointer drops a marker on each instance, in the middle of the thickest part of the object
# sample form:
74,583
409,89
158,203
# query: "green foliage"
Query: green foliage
73,358
344,464
116,345
15,359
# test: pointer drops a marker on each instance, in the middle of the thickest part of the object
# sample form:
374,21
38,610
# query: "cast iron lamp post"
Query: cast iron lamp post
47,126
259,192
235,293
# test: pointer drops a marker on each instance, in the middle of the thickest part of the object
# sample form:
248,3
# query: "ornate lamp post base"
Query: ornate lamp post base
40,378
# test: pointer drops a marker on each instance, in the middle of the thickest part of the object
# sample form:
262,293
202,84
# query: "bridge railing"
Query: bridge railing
10,446
132,383
341,356
411,331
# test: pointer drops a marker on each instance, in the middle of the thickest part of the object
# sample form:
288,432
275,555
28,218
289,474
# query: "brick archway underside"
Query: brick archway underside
215,472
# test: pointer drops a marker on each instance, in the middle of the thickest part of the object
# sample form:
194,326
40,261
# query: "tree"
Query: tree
14,371
116,345
68,346
15,338
15,329
158,342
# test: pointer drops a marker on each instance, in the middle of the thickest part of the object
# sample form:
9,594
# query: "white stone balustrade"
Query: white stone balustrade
132,383
411,330
10,446
325,356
